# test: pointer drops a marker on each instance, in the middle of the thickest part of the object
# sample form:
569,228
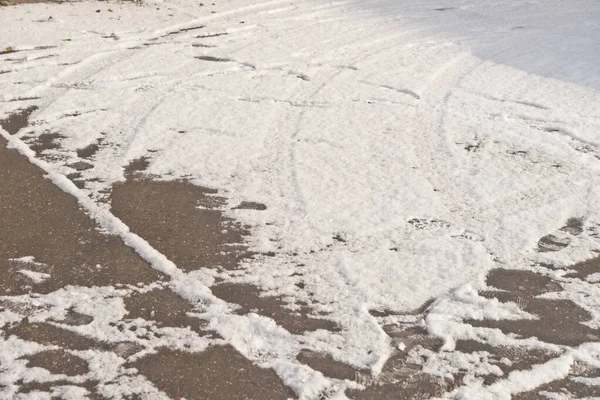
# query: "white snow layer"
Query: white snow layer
438,139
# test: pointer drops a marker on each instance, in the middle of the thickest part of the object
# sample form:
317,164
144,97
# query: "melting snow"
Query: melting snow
438,143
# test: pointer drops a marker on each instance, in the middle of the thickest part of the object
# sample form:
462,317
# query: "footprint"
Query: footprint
428,223
562,238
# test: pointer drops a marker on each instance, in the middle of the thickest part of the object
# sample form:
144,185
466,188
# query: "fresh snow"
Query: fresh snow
438,139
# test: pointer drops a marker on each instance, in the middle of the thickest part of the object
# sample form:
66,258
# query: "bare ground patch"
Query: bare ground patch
219,372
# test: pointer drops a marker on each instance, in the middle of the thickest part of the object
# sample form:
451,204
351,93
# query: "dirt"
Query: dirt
189,225
413,387
521,358
136,168
17,120
81,166
559,321
218,373
328,366
182,221
164,307
250,205
58,362
213,59
46,387
525,283
399,378
418,311
45,141
250,299
585,269
76,319
88,151
41,221
50,335
566,388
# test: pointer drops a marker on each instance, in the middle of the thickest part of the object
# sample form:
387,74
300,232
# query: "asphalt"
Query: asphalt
39,220
189,225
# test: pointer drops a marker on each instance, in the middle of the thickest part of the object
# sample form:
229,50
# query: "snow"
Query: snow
36,277
520,381
26,260
437,143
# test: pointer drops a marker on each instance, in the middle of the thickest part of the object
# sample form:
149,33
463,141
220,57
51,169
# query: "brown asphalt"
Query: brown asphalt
41,221
38,220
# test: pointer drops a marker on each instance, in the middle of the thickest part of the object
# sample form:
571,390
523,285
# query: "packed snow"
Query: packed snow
403,149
